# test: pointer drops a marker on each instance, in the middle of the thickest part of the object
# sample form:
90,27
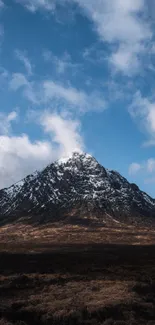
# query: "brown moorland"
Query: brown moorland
62,274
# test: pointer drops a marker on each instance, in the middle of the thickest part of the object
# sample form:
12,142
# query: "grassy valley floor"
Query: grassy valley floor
77,275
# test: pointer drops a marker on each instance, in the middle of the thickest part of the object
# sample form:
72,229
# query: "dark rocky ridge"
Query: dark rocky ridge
77,189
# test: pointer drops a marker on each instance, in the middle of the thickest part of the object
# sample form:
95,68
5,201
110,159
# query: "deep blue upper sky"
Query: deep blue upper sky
77,75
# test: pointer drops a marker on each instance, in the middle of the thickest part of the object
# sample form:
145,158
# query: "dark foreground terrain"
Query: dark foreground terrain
78,277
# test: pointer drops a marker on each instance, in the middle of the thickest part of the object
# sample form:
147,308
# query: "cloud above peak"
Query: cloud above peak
64,132
20,156
102,58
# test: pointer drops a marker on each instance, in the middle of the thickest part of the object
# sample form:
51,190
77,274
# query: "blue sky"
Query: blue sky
77,75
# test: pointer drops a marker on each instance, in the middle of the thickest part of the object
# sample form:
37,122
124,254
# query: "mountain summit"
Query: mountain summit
76,189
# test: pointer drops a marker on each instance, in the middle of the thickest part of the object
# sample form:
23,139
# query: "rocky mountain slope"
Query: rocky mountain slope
76,189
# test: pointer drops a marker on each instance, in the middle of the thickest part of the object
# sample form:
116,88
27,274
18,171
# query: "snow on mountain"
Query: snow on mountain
77,185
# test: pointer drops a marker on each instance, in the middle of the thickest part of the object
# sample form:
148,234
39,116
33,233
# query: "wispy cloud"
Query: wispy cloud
76,98
145,168
6,121
124,35
49,91
17,81
21,56
64,132
62,64
126,60
19,156
142,110
4,78
34,5
1,4
30,90
151,165
149,143
134,168
122,25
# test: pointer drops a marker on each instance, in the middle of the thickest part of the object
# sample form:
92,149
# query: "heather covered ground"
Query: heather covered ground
77,275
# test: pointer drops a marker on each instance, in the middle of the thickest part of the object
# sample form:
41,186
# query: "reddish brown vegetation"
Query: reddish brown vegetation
77,277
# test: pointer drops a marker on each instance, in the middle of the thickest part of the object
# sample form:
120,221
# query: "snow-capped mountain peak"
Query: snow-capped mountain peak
75,185
76,156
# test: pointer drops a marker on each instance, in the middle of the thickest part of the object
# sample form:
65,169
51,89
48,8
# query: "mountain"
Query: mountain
76,189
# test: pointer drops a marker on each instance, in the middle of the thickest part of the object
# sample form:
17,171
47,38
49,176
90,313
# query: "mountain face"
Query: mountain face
76,189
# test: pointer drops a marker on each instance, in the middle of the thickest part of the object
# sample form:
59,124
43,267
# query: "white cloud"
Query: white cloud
74,97
126,60
62,63
151,165
60,96
12,116
4,74
70,94
19,156
6,120
149,143
34,5
147,167
151,117
143,110
24,59
134,168
117,20
1,4
17,81
32,93
122,24
65,132
4,78
30,89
